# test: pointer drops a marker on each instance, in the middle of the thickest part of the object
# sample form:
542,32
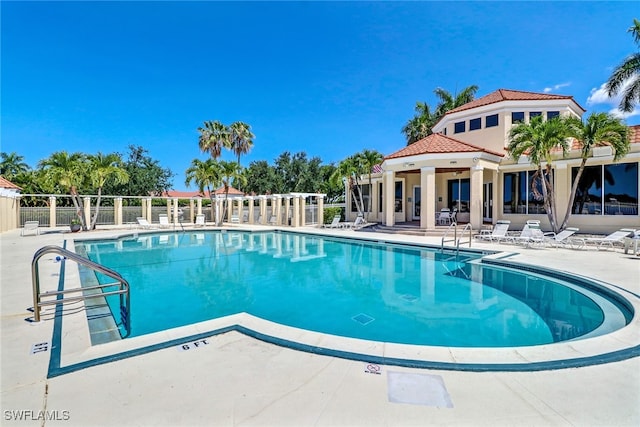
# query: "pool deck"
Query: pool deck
235,379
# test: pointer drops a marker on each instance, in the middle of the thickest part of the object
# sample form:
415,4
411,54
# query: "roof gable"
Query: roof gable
438,144
5,183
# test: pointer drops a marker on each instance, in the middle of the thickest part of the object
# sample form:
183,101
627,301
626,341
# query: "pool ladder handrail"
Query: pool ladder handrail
120,281
458,241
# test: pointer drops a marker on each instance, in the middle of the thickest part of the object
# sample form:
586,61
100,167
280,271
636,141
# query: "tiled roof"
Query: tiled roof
634,134
438,143
508,95
4,183
189,194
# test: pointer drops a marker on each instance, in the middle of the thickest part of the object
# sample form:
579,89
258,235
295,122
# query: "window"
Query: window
521,194
399,198
491,121
517,117
552,114
444,131
380,205
365,198
459,127
475,124
607,190
459,194
533,114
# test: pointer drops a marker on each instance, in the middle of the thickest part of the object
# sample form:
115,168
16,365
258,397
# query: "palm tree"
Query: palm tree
12,164
449,102
538,139
241,138
68,171
205,174
368,159
229,171
348,171
420,125
600,129
214,136
102,169
627,76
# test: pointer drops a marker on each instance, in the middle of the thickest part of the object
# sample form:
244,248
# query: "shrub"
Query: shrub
329,213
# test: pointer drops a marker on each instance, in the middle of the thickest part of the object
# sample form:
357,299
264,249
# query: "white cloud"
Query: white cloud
556,87
600,96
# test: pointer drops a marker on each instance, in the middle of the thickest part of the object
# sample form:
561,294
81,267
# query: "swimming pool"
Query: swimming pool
351,288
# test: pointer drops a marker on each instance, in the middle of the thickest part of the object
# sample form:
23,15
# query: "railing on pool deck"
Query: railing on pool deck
454,226
123,286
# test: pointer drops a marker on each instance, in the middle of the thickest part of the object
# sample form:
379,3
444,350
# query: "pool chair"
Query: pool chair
445,217
560,239
498,233
144,224
199,220
164,221
602,242
30,227
531,234
335,223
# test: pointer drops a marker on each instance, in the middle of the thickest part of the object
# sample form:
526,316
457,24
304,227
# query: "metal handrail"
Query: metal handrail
466,227
453,225
123,284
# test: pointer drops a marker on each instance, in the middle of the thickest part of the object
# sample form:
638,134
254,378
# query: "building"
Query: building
464,166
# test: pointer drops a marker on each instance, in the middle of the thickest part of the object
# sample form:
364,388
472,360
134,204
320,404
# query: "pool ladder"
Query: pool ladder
454,226
61,298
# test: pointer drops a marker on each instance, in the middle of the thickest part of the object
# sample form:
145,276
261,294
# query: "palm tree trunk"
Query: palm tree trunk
79,205
572,196
94,220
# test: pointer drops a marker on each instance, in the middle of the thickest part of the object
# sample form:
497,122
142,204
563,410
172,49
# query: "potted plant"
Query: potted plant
75,225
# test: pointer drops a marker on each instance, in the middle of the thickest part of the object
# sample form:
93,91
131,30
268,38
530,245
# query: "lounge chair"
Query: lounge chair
30,226
335,223
562,238
600,242
531,234
199,220
143,223
164,221
445,217
498,233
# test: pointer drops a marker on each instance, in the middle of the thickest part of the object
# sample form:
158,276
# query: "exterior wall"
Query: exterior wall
9,208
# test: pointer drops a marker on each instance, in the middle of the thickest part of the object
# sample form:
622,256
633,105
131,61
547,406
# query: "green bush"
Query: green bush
329,213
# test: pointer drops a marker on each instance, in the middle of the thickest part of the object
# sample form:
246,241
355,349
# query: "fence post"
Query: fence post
148,211
52,211
320,205
87,211
117,210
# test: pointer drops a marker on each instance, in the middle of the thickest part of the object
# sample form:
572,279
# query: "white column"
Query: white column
263,210
251,218
428,197
476,190
296,212
389,197
148,211
199,205
169,207
303,216
52,211
278,209
87,210
117,210
286,210
498,197
320,210
175,212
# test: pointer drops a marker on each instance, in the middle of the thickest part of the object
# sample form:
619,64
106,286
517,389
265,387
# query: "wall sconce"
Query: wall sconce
475,160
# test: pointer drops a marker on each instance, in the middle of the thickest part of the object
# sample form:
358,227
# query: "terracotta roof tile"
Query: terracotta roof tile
189,194
634,134
508,95
5,183
438,143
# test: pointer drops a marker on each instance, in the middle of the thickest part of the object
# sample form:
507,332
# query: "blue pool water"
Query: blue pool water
346,287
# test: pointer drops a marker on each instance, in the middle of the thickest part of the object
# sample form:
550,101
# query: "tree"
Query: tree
146,176
12,164
241,138
214,136
538,139
205,174
368,159
449,102
229,171
420,125
68,171
626,76
600,129
349,172
261,178
103,168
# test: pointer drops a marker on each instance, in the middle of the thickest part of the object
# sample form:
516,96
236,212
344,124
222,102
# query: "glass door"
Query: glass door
487,203
416,202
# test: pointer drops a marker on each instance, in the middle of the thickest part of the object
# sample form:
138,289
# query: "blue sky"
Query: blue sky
326,78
